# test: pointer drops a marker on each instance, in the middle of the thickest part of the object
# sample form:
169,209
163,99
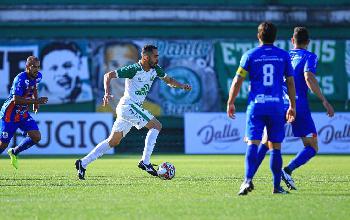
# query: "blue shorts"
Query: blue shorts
304,125
274,125
8,129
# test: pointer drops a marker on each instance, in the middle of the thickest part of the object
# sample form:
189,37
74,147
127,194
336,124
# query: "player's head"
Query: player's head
267,32
300,37
118,54
150,55
32,66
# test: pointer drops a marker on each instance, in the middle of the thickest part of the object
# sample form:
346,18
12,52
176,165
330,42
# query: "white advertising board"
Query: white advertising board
69,133
215,133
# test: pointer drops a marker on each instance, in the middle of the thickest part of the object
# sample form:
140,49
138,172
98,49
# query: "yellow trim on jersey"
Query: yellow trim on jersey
241,72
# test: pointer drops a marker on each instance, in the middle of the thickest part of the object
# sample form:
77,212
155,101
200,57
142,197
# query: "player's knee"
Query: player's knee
156,125
312,142
36,137
159,126
315,147
3,145
113,142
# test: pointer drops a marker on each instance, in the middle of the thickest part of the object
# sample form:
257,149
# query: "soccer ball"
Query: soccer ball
166,171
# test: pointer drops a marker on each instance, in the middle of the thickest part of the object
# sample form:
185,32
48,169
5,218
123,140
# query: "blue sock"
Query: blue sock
250,161
301,158
276,167
261,155
24,145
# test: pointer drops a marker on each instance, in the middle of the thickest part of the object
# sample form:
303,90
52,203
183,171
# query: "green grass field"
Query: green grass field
205,187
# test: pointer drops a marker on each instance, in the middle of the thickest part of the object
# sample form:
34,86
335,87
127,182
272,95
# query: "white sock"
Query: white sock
97,152
150,141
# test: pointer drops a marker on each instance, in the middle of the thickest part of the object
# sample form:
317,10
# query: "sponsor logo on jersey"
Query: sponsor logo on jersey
143,91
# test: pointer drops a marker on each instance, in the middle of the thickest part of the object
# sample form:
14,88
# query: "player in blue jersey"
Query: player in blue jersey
14,112
267,65
304,64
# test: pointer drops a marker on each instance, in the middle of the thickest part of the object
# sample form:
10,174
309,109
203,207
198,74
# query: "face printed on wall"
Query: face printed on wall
117,56
62,68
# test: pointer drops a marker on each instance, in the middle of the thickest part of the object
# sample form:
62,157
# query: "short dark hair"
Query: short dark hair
301,35
267,32
148,49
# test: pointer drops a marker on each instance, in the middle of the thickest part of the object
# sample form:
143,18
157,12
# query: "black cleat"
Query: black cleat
148,168
288,180
80,169
279,190
247,186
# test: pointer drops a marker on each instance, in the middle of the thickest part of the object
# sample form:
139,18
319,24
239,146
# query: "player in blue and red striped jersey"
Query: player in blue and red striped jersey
267,66
14,112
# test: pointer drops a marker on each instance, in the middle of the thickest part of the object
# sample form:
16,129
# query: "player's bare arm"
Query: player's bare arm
107,86
175,84
291,112
313,85
234,90
23,101
35,96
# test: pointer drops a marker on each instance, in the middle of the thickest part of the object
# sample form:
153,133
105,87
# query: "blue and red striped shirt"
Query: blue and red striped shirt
22,86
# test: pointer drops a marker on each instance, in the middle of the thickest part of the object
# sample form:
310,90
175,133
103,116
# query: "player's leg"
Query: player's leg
275,132
303,127
309,151
112,141
119,130
32,137
254,131
140,117
154,127
262,150
6,133
7,130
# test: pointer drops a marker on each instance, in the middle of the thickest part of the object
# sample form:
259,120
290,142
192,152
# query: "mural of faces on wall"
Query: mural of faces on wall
66,75
115,55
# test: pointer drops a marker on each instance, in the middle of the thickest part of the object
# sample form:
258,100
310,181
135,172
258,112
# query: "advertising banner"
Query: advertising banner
188,61
331,70
69,133
215,133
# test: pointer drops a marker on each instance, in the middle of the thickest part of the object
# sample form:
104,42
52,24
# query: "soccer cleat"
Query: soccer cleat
288,180
13,158
148,168
247,186
81,170
279,190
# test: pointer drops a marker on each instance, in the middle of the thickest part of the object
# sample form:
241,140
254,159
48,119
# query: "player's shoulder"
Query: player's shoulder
132,68
39,77
302,52
20,77
251,51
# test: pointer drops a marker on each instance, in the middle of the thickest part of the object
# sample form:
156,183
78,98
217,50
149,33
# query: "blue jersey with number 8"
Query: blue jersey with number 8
267,66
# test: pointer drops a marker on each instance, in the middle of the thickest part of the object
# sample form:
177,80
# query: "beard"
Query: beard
152,64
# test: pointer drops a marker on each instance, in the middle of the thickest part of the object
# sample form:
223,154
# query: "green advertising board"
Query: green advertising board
331,71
